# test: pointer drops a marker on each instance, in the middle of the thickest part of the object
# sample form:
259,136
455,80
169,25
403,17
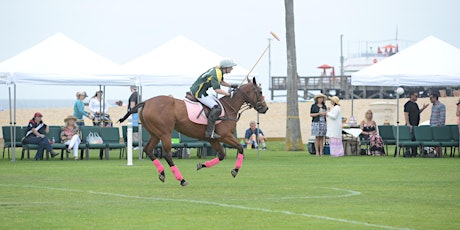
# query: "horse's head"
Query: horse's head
252,94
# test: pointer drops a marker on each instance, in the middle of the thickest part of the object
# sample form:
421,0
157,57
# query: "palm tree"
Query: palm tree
293,133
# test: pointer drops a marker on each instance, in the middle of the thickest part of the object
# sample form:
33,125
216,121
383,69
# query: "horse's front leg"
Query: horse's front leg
220,156
239,157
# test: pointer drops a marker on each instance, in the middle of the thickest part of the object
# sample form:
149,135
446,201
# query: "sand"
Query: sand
273,123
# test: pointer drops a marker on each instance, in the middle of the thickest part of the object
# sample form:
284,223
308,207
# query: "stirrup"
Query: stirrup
213,135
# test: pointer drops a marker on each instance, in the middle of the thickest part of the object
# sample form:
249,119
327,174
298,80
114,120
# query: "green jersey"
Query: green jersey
211,78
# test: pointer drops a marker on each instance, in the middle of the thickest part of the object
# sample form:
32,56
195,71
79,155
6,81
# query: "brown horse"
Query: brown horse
161,114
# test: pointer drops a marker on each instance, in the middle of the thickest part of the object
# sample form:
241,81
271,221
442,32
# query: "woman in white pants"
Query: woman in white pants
71,135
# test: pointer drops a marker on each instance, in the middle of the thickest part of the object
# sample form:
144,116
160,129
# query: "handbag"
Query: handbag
94,138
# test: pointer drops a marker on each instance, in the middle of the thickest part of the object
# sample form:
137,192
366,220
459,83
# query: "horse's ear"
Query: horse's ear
254,81
249,81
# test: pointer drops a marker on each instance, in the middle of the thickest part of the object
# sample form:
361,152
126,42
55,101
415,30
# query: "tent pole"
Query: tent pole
14,124
141,147
397,125
100,106
11,116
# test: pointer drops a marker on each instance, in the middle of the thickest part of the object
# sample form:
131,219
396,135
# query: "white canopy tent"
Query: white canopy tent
178,62
430,62
58,60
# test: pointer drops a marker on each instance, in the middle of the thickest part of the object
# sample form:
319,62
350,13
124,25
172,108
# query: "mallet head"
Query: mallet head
275,36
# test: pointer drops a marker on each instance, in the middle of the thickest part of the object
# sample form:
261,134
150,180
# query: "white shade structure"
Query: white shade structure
59,60
178,62
430,62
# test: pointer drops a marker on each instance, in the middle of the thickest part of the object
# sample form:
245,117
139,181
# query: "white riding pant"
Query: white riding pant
73,143
210,101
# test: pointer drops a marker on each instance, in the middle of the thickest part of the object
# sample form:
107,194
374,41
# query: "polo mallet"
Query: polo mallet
263,53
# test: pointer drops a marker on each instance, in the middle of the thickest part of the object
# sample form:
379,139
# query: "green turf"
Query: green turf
282,190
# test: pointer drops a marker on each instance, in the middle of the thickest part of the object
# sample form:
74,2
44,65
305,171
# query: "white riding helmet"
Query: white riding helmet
227,62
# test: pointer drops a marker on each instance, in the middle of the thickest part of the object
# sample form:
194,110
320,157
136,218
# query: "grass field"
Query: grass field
282,190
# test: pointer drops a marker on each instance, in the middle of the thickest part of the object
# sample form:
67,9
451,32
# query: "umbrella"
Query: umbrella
324,67
389,46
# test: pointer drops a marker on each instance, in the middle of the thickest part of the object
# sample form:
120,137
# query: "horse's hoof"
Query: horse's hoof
199,166
234,172
183,182
162,177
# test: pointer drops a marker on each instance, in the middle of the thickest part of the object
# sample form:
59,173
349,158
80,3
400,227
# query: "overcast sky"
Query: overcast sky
123,30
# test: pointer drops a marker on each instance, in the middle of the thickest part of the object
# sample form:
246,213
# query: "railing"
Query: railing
312,83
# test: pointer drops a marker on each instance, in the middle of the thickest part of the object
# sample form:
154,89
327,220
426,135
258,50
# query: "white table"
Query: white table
353,131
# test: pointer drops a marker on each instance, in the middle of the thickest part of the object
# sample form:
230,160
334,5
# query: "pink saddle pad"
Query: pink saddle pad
196,113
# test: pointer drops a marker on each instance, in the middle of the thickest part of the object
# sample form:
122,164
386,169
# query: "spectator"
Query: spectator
71,135
438,116
318,113
251,138
412,117
369,132
438,111
36,134
334,128
133,101
99,110
458,114
79,108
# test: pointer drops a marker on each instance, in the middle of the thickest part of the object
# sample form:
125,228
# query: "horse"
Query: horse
161,114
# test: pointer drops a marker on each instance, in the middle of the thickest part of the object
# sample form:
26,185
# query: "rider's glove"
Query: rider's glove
234,86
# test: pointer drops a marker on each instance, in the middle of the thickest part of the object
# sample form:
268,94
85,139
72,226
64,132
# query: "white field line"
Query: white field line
210,203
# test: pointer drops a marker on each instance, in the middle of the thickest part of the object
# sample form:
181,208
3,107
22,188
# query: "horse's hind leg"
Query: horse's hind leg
167,145
148,149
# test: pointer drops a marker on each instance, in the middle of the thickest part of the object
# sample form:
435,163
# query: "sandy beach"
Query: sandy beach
273,123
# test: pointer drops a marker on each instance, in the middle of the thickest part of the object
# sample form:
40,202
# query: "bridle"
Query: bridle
249,103
258,105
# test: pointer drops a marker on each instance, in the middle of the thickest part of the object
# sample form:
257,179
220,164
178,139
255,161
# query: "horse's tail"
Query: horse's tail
131,111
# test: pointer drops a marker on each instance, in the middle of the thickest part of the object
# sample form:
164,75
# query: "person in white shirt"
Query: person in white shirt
334,128
98,108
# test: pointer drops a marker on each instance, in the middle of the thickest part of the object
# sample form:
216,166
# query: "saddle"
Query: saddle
197,112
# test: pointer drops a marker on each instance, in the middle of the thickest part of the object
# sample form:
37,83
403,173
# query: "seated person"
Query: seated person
251,134
369,132
71,135
35,134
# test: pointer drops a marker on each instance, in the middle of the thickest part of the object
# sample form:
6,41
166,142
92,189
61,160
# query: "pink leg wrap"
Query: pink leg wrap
177,173
212,162
239,161
158,165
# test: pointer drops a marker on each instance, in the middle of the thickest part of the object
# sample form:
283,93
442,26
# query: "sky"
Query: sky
122,30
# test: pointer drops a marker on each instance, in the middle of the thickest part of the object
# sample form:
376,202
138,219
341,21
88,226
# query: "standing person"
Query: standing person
438,111
99,109
369,132
412,117
438,116
458,114
334,128
71,135
36,134
318,112
214,78
251,138
133,101
79,108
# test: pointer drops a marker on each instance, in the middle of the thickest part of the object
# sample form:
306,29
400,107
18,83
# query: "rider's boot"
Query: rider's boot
212,118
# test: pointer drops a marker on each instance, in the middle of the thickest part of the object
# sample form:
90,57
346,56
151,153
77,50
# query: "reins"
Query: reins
247,104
